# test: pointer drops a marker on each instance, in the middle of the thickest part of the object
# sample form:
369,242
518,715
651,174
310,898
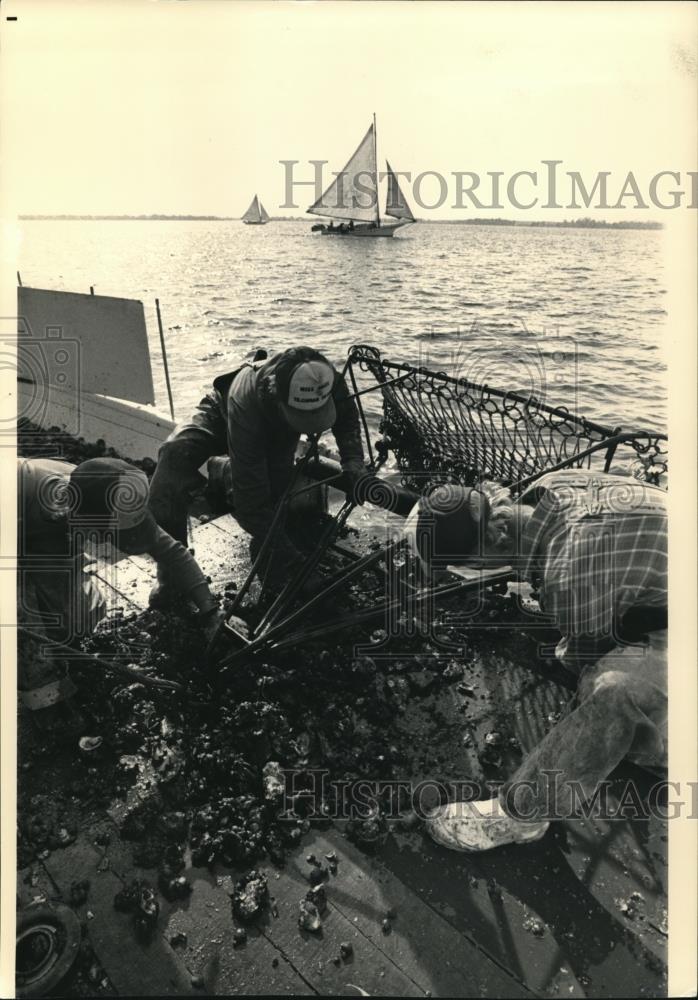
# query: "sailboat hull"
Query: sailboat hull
255,222
368,231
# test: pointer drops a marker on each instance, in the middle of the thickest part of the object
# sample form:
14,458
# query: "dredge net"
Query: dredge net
445,429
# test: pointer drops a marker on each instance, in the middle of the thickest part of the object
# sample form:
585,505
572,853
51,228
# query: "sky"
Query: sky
181,107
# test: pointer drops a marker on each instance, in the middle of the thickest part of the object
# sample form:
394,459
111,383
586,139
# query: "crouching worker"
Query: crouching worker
62,507
594,546
255,415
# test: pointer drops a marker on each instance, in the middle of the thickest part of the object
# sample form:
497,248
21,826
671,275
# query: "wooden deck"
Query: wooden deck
541,920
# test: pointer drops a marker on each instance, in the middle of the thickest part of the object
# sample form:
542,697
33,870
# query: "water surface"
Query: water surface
574,316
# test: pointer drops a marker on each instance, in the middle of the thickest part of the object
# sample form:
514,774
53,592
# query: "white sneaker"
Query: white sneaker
479,826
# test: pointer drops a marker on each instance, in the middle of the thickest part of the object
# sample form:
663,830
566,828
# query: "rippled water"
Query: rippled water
575,316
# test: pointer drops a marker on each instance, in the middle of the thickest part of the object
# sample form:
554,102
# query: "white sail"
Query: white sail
396,203
264,217
253,214
354,192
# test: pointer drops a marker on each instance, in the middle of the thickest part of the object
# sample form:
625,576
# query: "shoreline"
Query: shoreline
535,224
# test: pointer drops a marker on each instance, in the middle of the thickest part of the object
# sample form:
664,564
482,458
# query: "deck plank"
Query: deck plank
133,968
126,582
434,956
256,968
220,548
369,967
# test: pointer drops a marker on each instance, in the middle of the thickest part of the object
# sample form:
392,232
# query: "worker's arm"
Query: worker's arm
346,428
182,569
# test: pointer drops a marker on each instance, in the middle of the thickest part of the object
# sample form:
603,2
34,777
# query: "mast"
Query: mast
375,157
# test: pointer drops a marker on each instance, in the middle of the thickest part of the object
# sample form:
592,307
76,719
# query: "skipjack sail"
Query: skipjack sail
353,196
256,214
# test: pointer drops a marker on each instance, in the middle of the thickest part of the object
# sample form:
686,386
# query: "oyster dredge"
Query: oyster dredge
399,621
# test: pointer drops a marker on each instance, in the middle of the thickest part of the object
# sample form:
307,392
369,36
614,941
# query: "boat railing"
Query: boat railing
441,428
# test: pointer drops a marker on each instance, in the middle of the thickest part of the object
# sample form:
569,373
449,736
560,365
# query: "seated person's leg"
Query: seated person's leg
621,712
44,608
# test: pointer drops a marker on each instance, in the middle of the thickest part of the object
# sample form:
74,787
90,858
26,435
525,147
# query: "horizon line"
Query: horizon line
582,222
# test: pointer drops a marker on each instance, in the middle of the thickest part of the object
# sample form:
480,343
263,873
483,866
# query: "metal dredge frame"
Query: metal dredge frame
440,429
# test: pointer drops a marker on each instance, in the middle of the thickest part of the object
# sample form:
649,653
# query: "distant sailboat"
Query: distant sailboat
353,196
256,214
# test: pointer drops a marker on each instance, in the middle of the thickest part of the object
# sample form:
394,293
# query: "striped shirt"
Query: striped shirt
597,547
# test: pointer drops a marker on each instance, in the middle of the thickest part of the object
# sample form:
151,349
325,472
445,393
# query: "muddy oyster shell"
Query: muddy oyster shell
249,896
318,897
89,743
273,778
308,916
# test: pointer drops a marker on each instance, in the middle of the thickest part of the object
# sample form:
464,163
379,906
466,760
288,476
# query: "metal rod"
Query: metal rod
610,442
357,618
267,628
19,279
164,359
364,422
117,668
254,569
319,482
612,450
369,614
380,385
375,157
334,583
293,586
281,507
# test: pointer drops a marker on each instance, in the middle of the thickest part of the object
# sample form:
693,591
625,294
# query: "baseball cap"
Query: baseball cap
444,528
110,488
309,407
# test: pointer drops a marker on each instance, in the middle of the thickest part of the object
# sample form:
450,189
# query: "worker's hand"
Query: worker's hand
211,626
240,626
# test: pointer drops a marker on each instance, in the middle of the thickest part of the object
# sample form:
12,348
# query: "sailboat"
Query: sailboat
353,197
256,214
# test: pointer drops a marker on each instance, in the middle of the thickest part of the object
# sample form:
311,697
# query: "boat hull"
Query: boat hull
131,429
251,222
372,232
